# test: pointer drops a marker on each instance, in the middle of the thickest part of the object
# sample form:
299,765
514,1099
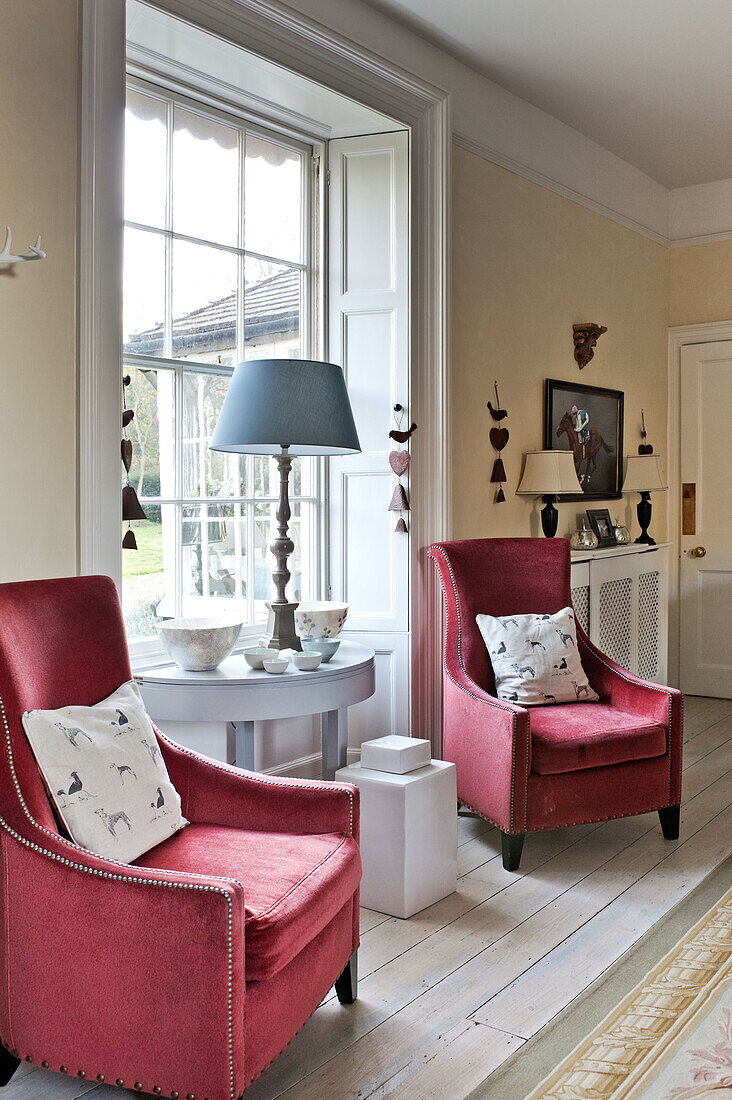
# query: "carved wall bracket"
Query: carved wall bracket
585,338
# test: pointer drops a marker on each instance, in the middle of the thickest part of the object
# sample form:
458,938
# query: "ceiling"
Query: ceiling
650,80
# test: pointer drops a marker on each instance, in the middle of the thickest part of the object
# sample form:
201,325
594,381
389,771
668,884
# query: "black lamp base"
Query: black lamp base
644,519
549,517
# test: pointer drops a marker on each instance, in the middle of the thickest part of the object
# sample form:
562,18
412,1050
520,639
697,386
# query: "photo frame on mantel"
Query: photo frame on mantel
588,421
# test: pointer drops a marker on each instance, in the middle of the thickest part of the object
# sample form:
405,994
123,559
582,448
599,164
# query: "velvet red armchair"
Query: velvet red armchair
186,973
526,769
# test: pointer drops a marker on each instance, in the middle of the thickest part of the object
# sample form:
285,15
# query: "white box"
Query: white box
395,754
408,836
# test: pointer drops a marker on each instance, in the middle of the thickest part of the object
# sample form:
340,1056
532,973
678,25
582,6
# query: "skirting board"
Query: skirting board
308,767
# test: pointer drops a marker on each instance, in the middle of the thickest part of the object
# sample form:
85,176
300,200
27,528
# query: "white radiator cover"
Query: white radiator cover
620,597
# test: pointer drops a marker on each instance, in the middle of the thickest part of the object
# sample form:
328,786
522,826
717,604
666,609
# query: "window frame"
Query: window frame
148,650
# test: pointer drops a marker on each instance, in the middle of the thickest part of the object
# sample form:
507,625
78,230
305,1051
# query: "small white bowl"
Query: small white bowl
307,662
277,666
256,655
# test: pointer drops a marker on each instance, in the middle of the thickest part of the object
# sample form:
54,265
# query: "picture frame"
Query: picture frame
587,420
600,522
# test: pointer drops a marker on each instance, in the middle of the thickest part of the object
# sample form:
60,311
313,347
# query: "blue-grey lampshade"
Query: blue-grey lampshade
297,403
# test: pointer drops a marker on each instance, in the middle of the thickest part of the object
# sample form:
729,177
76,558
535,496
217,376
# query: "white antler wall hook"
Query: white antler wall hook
34,251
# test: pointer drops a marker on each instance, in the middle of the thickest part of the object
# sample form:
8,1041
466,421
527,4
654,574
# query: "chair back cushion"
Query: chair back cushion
498,577
62,643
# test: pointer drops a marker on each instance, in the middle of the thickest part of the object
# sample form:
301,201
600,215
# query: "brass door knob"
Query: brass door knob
697,552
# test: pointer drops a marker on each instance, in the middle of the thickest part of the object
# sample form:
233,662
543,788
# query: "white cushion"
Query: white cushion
106,775
535,658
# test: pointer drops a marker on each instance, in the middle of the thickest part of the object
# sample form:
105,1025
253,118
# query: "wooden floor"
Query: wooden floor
447,996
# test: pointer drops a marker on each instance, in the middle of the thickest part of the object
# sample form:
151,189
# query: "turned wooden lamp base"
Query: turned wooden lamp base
281,627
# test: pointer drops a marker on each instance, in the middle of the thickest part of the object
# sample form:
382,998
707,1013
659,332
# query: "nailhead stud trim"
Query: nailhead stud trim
44,1063
119,1082
100,1077
267,781
63,1069
157,1090
138,1086
129,877
174,1096
81,1073
28,1058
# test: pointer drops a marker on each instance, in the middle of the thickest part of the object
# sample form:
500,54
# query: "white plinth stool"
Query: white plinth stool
408,826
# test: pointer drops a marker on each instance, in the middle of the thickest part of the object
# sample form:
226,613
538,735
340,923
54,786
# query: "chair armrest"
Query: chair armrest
626,691
220,794
490,742
122,971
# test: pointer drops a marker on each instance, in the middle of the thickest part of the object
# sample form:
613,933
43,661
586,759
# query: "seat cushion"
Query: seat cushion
567,737
293,885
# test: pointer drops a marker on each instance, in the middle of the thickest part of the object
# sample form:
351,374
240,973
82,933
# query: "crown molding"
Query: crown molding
543,180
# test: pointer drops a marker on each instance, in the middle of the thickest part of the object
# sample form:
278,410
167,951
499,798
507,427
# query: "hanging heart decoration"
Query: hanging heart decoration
127,454
498,437
399,461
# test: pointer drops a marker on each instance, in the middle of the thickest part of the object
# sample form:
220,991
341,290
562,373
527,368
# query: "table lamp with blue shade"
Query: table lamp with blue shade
285,408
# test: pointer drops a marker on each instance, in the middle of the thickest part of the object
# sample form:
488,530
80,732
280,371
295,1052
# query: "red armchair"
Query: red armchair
186,973
525,769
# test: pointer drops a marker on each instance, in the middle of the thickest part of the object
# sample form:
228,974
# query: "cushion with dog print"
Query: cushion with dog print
535,658
106,775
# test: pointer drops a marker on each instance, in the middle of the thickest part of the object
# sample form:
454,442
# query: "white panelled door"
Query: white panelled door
369,336
706,540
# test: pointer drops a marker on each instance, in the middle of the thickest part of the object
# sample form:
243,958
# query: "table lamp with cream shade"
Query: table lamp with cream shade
644,474
548,474
285,408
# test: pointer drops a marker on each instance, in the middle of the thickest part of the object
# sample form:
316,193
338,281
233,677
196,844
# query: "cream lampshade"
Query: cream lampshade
644,474
548,474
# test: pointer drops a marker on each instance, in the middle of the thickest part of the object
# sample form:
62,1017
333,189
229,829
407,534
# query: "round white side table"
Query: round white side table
235,693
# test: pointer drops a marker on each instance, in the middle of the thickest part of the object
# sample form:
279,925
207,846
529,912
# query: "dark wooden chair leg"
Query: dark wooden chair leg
346,986
8,1065
670,819
511,847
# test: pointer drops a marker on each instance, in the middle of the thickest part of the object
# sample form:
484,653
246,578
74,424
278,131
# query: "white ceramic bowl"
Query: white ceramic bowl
276,666
323,619
307,662
256,655
198,645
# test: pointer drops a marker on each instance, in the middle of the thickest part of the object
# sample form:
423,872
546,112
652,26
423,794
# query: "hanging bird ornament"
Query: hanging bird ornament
499,438
399,462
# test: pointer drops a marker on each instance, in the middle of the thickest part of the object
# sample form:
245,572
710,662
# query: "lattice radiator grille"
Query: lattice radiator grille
581,605
616,620
649,614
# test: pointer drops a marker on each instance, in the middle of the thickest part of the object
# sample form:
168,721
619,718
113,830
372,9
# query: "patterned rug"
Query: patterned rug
671,1037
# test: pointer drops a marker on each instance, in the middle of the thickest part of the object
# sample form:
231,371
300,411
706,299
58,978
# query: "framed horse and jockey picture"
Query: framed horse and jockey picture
588,421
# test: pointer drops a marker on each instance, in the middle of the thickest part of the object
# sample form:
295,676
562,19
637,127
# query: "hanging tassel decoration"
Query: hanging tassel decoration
399,462
131,507
499,438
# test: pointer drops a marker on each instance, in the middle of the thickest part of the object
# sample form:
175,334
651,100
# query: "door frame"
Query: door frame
313,50
680,336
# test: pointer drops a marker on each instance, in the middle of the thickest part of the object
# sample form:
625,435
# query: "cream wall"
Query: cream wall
700,283
527,265
38,172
